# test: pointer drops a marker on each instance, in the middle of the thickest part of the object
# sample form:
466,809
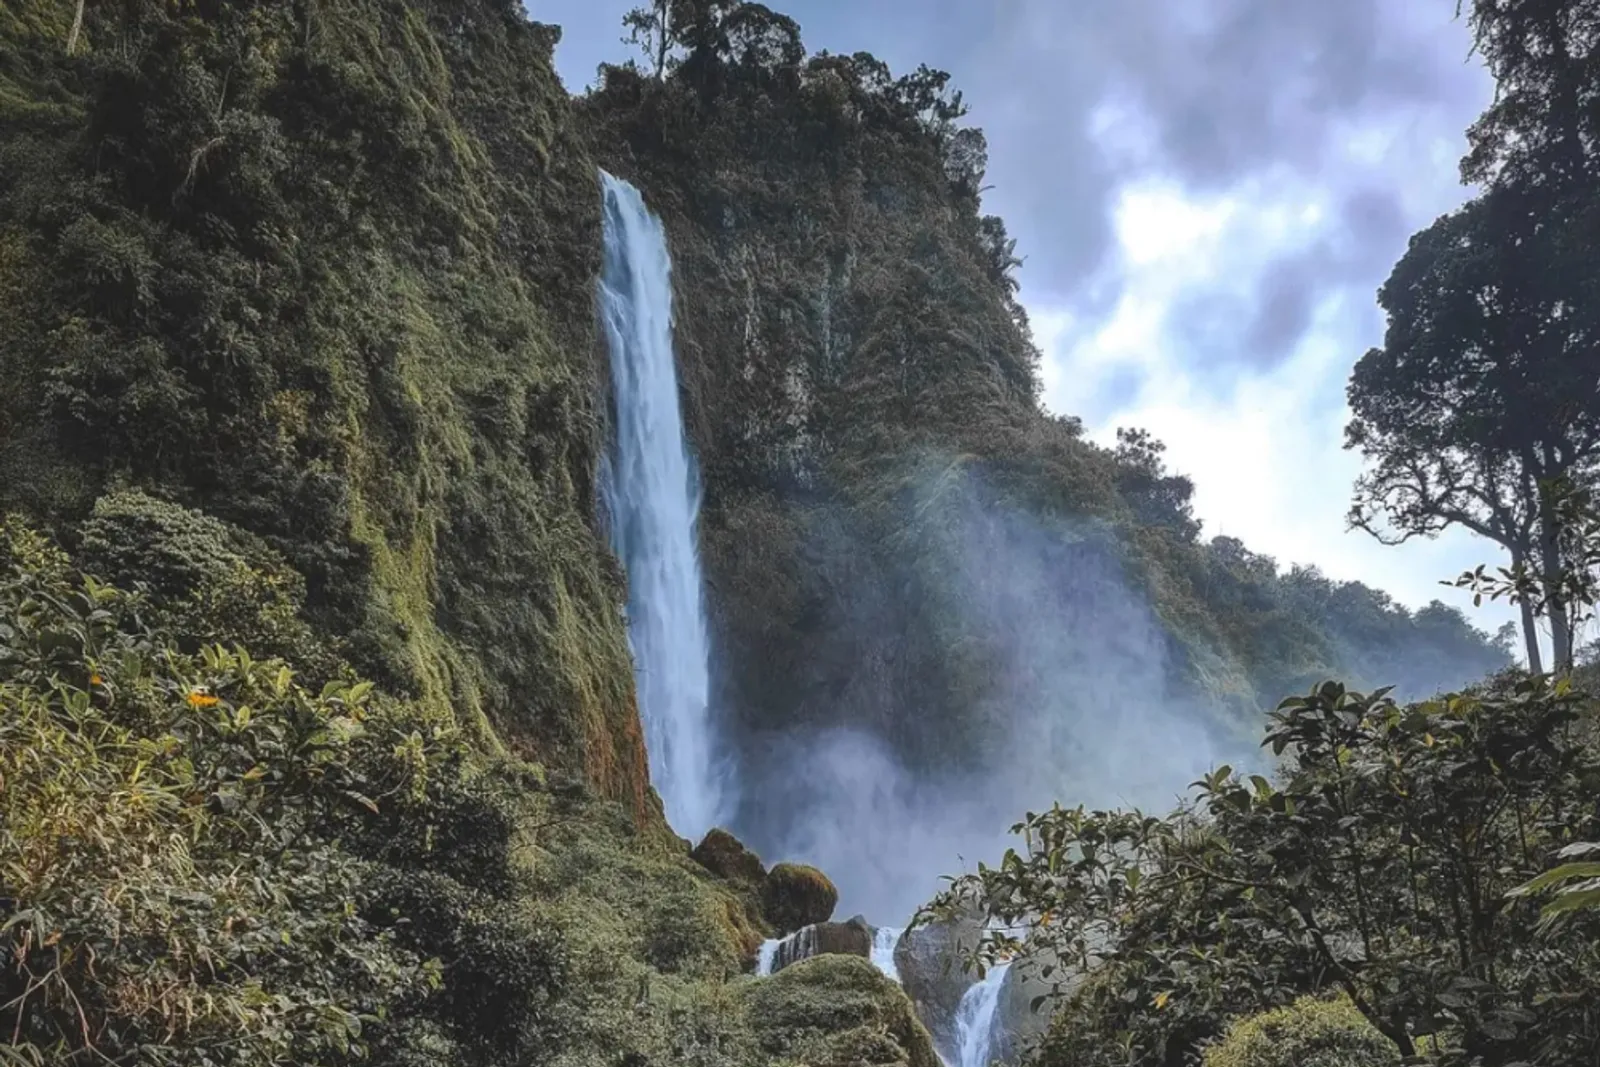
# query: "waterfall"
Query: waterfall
884,939
652,494
778,953
975,1019
768,956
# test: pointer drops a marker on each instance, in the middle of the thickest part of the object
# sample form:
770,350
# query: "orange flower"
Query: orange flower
200,698
95,679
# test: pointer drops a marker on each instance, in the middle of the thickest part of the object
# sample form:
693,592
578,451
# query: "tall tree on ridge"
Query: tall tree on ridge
1484,400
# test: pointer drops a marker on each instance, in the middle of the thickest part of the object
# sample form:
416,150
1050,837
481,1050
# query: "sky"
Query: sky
1207,196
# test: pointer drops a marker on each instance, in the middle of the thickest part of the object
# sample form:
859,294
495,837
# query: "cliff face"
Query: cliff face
324,272
899,542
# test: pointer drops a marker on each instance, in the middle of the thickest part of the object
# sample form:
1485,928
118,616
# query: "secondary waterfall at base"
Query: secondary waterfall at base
975,1019
884,939
802,944
652,494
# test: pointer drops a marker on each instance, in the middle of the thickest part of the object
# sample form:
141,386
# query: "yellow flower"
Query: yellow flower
200,698
95,679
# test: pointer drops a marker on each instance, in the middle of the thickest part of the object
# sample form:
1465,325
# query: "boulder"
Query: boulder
853,938
794,896
928,960
726,857
837,1010
1017,1027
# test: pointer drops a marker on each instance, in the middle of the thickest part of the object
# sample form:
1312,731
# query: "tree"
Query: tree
1576,586
1486,392
651,29
1158,497
1376,866
702,38
1540,133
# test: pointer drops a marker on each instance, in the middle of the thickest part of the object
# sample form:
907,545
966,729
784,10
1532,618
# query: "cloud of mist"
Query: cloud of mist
1073,697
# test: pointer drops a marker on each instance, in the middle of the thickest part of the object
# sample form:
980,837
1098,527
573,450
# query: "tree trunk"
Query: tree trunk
1530,636
77,27
1551,566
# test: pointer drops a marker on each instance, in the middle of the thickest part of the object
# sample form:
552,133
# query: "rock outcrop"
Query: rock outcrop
794,895
928,959
726,857
852,938
1017,1027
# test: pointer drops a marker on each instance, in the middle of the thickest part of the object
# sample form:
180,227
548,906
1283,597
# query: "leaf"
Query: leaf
1557,876
364,801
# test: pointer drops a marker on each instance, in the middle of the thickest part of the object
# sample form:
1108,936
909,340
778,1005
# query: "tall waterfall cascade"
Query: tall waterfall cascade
651,491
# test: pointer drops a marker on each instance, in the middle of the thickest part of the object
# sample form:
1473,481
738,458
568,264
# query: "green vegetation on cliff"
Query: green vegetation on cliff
317,729
863,396
324,273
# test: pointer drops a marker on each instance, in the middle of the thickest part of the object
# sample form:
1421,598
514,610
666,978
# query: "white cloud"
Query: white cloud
1265,454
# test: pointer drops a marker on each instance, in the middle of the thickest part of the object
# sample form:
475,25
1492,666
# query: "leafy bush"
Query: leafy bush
837,1010
215,582
1378,865
171,880
1307,1033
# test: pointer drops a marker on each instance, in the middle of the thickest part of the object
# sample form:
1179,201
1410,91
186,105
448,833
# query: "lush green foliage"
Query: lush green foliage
1307,1033
324,272
1378,865
166,848
837,1010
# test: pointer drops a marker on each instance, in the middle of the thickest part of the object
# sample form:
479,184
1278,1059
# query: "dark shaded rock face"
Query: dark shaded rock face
795,896
853,938
726,857
1017,1027
928,959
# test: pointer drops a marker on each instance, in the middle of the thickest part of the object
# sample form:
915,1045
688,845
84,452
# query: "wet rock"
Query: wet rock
928,960
853,938
794,896
1017,1027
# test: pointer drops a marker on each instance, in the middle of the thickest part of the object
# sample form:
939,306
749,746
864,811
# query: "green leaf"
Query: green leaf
1557,876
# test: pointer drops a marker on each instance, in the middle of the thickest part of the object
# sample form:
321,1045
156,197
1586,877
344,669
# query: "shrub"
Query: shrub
1308,1033
172,883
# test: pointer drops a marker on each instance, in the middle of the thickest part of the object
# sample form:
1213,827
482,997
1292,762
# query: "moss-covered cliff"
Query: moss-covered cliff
324,272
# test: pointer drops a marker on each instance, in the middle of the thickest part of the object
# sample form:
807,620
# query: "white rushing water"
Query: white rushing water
767,957
653,496
975,1019
884,939
802,945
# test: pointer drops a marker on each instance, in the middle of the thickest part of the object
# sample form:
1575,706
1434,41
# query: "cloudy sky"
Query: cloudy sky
1208,194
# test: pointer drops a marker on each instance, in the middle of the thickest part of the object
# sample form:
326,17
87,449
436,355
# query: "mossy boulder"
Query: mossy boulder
794,895
726,857
1308,1033
837,1011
